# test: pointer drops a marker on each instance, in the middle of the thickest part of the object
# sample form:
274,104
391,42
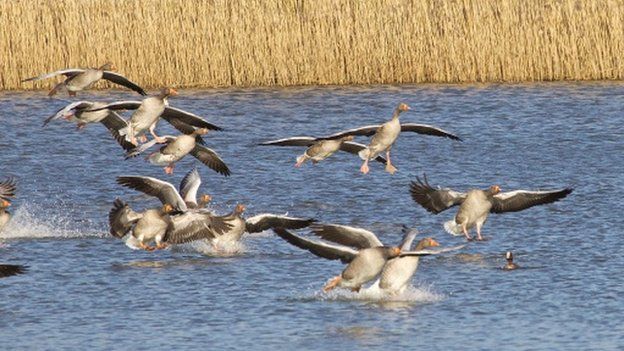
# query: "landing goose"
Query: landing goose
176,148
475,205
318,150
360,249
7,270
385,135
148,112
79,79
79,112
256,224
7,192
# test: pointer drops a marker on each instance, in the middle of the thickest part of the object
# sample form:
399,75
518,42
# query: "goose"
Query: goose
7,192
318,150
510,265
148,112
176,148
475,205
360,249
79,112
165,226
79,79
256,224
181,201
7,270
385,135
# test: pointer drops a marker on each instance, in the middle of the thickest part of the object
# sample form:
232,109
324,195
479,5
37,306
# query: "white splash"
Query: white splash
410,296
208,248
31,221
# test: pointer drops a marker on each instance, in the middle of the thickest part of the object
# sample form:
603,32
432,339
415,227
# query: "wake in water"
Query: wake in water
31,221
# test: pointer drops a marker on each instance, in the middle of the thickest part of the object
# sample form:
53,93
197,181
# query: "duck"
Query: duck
149,111
7,192
79,79
510,265
318,150
7,270
79,112
475,205
176,148
385,135
364,254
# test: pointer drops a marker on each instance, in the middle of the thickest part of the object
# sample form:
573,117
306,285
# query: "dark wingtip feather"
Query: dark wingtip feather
7,270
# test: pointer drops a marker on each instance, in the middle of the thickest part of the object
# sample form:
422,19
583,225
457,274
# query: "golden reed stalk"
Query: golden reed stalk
193,43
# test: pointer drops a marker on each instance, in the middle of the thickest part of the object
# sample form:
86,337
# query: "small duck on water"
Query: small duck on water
510,263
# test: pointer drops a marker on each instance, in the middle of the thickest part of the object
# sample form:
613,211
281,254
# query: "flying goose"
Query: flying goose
181,201
7,270
475,205
510,265
7,192
318,150
385,135
79,79
148,112
176,148
360,249
78,112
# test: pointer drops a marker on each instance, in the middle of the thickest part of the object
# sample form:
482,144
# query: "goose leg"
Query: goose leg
364,169
479,237
465,230
142,138
161,246
156,137
332,283
389,167
301,160
146,247
169,169
80,125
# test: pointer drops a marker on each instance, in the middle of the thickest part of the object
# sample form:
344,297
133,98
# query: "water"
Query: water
86,290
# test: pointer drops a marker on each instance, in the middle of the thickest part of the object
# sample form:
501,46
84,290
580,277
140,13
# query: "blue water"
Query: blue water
87,290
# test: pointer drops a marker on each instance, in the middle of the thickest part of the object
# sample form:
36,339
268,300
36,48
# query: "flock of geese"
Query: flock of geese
185,216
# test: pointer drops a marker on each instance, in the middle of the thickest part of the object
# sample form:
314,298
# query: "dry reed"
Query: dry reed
193,43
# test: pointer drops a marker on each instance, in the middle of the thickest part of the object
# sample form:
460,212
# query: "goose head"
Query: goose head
393,252
4,204
108,66
166,92
402,107
240,208
426,242
167,208
204,200
200,131
495,189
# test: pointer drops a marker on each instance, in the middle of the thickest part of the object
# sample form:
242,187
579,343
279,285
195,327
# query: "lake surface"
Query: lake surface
87,290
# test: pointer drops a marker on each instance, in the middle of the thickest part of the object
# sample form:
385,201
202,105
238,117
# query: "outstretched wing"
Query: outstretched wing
121,218
427,130
136,151
265,221
164,191
121,80
211,159
366,130
522,199
189,186
294,141
194,225
114,122
428,252
68,72
175,114
434,200
355,148
119,105
346,235
7,188
324,250
69,109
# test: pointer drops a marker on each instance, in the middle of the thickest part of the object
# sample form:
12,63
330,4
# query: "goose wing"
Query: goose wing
355,148
7,270
186,129
428,252
121,80
265,221
68,72
434,200
211,159
69,109
137,150
164,191
366,131
119,105
346,235
121,218
114,122
324,250
175,114
294,141
408,238
189,186
428,130
522,199
7,188
194,225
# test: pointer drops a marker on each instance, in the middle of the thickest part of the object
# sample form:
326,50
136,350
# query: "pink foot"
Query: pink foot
143,138
169,169
81,126
364,169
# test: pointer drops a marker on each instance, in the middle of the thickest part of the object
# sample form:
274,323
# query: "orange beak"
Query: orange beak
433,243
396,251
5,203
173,92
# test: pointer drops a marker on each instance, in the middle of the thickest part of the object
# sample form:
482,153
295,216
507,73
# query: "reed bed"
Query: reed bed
193,43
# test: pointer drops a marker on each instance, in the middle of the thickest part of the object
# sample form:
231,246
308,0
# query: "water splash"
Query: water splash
208,248
31,221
